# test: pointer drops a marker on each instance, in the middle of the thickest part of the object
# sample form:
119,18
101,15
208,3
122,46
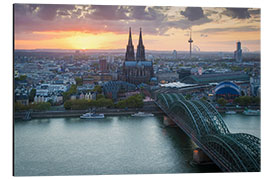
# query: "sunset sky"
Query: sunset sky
106,27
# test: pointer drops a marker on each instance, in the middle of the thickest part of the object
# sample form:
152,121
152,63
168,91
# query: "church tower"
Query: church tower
140,55
130,49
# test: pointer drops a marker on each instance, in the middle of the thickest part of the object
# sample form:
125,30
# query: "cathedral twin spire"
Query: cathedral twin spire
140,55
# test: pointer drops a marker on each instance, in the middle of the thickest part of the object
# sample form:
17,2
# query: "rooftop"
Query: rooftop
215,77
138,63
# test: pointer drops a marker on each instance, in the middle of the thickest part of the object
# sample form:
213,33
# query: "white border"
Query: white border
6,85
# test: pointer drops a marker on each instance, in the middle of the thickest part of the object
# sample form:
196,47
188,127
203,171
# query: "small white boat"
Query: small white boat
142,114
230,112
92,116
250,112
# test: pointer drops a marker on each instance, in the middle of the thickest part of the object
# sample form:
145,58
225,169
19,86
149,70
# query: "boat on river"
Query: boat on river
250,112
92,116
142,114
230,112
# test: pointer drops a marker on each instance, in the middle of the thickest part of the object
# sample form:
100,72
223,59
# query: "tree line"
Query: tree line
242,101
43,106
135,101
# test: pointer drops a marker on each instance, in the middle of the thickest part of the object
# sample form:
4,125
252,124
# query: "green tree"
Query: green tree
79,81
79,104
51,102
102,102
100,96
236,100
41,106
98,89
72,90
32,95
20,107
188,96
243,100
68,104
222,101
135,101
21,78
109,103
92,103
256,100
121,104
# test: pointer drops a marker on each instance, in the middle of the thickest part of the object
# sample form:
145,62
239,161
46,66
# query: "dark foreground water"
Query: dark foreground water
115,145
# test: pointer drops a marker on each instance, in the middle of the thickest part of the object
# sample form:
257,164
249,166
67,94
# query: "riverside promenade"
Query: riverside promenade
148,107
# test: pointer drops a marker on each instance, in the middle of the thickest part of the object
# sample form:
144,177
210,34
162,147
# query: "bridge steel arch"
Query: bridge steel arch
221,153
250,143
199,117
217,117
217,125
163,99
179,96
170,99
229,153
204,125
207,117
179,107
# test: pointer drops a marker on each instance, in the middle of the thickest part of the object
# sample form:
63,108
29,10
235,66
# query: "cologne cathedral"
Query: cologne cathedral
136,70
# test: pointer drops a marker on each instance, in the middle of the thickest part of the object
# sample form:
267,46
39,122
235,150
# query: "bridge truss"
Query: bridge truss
231,152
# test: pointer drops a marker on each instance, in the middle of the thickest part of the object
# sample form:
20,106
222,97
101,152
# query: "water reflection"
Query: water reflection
40,121
114,145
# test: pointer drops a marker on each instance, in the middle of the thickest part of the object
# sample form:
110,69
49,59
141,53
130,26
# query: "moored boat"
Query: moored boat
92,116
230,112
142,114
250,112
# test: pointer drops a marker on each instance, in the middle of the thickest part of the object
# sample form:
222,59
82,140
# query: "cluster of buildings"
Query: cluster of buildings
50,92
51,75
84,95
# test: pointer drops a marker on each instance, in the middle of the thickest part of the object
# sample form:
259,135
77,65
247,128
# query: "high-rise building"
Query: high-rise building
103,65
238,52
174,54
139,71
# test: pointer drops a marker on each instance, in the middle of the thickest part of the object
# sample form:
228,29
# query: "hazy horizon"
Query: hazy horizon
123,50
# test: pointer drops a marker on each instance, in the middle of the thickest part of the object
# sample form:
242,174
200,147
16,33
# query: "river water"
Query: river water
114,145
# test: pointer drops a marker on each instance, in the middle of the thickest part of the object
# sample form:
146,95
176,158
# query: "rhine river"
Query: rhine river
114,145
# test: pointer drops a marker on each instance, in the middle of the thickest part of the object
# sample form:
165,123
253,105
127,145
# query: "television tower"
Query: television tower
190,41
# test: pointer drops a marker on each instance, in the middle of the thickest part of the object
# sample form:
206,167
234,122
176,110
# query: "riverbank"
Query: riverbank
238,110
148,107
77,113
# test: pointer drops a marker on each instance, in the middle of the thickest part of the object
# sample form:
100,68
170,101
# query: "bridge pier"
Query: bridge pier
200,158
168,122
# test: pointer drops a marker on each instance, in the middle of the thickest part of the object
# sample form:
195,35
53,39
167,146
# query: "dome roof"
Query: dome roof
227,88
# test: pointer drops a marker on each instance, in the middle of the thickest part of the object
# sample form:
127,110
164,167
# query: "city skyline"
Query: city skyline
106,27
